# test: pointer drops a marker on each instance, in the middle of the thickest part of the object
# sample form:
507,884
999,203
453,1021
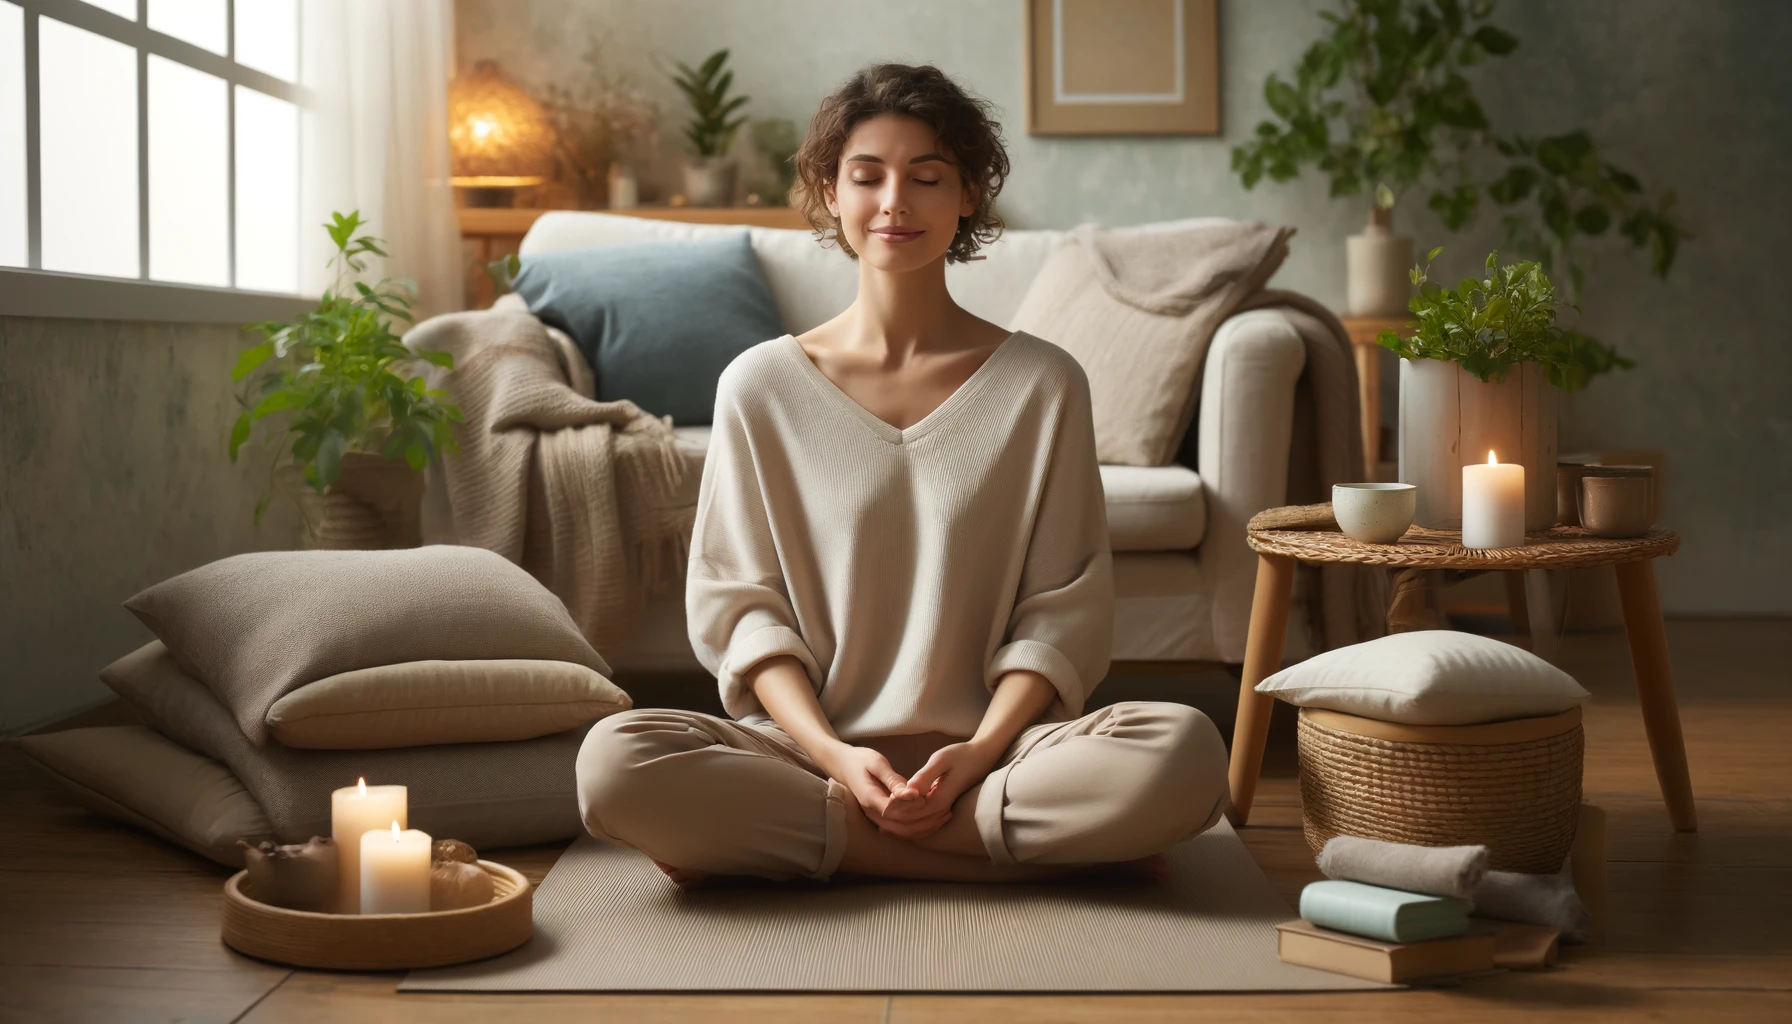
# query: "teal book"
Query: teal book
1391,915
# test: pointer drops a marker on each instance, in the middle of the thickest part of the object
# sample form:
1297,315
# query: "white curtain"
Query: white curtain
376,140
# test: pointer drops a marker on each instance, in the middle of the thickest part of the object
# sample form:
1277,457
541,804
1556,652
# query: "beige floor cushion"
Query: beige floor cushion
419,703
132,774
488,794
1429,677
255,627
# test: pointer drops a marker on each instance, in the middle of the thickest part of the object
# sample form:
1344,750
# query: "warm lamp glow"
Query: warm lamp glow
497,132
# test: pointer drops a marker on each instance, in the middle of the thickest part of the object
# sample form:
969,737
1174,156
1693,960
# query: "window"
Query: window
152,140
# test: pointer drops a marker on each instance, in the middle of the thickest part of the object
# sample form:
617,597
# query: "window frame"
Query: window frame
33,291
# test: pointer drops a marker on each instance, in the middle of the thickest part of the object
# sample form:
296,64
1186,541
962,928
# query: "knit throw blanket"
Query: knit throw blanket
578,492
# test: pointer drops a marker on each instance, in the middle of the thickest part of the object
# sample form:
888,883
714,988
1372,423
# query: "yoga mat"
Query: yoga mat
606,920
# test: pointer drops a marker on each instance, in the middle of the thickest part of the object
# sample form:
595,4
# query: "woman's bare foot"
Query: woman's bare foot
682,878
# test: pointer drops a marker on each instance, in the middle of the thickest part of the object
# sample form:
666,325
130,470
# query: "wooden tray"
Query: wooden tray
380,942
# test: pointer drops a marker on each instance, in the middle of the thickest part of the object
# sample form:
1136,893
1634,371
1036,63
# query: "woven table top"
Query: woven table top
1310,534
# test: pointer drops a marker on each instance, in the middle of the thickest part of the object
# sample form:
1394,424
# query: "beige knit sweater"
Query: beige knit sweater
907,569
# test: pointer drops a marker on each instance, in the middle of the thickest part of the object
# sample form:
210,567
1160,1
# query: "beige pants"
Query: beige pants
724,797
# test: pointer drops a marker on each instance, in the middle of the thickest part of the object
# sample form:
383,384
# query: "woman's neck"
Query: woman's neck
905,312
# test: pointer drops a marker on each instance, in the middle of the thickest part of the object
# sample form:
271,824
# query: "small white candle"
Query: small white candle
1492,505
353,811
395,871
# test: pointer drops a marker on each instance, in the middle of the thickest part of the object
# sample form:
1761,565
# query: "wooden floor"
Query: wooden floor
98,922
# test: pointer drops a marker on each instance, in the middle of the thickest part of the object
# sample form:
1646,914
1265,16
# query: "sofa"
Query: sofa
1183,573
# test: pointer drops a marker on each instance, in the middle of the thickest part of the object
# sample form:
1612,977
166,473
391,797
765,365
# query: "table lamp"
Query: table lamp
500,139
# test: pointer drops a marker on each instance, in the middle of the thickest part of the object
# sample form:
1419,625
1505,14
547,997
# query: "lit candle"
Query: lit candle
353,811
395,871
1492,505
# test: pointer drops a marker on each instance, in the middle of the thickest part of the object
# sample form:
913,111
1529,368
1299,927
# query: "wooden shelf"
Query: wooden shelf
505,221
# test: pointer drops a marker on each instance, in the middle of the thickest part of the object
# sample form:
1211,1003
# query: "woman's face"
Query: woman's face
898,195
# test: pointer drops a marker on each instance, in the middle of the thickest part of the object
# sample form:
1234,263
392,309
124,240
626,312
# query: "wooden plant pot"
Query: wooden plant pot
376,504
380,942
1449,419
1511,786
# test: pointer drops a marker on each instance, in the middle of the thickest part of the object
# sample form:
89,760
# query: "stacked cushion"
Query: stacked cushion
254,628
1429,677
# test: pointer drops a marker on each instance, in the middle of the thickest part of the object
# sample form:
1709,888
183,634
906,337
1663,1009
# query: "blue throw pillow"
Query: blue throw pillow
658,321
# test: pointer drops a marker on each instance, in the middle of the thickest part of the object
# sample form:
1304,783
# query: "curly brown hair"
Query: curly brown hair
969,136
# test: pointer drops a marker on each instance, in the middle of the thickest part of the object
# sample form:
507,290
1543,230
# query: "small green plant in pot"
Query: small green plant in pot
1480,373
709,178
349,431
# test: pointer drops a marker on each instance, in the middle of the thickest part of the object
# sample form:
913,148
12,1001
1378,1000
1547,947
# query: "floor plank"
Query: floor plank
100,922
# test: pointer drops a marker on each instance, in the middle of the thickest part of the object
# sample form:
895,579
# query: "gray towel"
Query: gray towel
1548,900
1438,870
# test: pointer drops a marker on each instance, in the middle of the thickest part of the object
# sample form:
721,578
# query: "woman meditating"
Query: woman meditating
900,571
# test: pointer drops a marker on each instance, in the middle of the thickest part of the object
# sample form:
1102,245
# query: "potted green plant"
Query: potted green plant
1479,372
709,176
350,433
1382,105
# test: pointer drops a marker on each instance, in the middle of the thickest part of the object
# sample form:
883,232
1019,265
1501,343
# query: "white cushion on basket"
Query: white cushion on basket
1429,677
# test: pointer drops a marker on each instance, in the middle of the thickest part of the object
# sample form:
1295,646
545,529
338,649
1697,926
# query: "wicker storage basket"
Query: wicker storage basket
1511,786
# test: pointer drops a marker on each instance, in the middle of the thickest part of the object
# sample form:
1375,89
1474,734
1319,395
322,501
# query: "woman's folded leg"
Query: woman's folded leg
1121,783
710,795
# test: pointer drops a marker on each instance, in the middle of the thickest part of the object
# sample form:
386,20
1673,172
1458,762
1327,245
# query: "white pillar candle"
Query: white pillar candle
1493,505
353,811
395,871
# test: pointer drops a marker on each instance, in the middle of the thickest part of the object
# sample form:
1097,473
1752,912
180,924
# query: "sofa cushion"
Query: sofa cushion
421,703
255,627
658,321
1429,677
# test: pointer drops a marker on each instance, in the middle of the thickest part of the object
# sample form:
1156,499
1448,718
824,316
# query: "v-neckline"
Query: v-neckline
884,428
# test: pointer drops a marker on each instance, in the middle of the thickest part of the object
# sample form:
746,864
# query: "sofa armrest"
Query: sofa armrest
1245,426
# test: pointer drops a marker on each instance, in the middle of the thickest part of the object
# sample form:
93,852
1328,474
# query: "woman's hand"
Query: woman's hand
883,794
945,777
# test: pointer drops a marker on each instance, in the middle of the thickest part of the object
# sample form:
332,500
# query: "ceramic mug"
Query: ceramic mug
1617,505
1374,513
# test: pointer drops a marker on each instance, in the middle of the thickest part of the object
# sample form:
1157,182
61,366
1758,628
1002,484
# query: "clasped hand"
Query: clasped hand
919,806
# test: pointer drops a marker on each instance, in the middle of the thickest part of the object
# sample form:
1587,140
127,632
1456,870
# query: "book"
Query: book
1377,912
1306,944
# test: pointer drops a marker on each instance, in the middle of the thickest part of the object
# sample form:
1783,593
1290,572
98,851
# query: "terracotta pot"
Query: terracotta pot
709,181
1449,419
374,505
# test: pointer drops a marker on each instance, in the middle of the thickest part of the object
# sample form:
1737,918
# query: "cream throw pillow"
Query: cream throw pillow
418,703
255,627
1137,309
1429,677
134,775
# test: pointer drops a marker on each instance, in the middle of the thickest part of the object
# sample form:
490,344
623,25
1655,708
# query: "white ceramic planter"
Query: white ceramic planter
709,181
1449,419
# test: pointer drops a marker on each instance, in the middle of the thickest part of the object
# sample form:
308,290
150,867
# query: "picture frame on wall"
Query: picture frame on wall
1122,67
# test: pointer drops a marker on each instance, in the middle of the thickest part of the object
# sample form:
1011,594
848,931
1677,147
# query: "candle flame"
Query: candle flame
361,785
1491,461
395,830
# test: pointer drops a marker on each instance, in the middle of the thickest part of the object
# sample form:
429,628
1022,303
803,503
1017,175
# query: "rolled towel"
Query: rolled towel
1438,870
1548,900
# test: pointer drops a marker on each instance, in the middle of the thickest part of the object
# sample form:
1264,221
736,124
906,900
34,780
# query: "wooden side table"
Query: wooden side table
1363,331
1308,533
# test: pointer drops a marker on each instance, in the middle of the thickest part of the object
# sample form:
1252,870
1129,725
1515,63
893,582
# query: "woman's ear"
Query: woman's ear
828,197
969,205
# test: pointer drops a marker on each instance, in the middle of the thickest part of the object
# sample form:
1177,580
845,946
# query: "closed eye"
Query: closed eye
873,181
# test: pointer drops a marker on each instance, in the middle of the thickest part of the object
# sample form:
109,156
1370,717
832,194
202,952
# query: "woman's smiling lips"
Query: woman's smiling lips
897,234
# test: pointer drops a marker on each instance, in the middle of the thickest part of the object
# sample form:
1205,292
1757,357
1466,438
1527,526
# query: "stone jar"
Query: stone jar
376,504
709,181
1449,419
1378,268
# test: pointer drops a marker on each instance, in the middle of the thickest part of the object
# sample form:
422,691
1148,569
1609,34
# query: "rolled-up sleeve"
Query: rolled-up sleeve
737,607
1062,625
